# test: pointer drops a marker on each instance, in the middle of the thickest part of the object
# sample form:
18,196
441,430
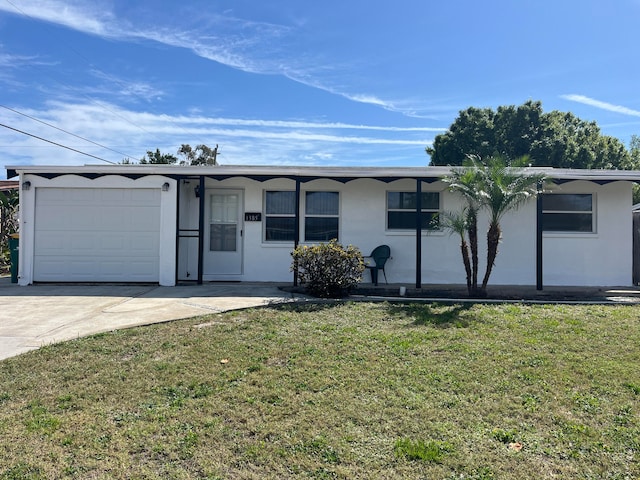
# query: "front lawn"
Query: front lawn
356,390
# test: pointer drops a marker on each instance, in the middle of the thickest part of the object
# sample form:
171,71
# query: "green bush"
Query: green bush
328,269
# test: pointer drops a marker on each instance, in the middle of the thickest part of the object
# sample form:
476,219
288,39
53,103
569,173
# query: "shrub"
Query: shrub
328,269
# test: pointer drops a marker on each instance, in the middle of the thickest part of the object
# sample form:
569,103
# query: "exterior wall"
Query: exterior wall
600,258
595,259
166,274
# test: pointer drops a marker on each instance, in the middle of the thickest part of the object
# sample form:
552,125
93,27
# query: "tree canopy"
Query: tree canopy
158,158
200,155
553,139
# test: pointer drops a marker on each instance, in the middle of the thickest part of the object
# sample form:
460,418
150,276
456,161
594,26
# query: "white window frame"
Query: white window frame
591,212
423,210
277,215
316,215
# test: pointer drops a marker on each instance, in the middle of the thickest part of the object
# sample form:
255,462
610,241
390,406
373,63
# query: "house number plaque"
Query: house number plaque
252,216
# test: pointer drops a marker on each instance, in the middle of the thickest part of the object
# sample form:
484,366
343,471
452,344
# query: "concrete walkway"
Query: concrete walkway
38,315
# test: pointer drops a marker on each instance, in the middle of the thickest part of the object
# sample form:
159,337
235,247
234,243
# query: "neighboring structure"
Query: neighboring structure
168,224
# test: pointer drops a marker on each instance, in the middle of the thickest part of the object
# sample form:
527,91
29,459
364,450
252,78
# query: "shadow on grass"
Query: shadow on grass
437,315
310,306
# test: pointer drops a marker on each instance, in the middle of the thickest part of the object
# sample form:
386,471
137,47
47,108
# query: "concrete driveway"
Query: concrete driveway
38,315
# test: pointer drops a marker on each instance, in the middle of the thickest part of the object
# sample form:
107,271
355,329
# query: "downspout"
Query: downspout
418,233
201,229
296,235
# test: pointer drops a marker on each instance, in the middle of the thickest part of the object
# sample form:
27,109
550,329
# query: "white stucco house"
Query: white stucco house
169,224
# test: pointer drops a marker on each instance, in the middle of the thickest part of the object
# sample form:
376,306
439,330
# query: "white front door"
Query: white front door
223,235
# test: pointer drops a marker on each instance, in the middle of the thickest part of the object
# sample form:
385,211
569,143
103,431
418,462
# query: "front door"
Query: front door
223,235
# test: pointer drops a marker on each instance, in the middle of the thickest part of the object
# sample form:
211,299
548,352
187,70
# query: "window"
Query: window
567,212
280,216
401,210
321,216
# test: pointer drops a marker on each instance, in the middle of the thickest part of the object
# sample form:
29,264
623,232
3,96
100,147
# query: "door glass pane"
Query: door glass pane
222,237
224,208
223,226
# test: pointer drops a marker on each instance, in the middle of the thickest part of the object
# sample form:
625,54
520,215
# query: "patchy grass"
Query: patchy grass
334,391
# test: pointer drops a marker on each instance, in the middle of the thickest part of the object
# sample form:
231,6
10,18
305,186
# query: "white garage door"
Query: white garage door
97,235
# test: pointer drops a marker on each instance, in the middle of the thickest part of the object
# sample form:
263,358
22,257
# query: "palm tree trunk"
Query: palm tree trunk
464,249
493,239
472,231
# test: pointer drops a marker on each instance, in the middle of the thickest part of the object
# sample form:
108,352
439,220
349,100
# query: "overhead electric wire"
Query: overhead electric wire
64,131
57,144
93,100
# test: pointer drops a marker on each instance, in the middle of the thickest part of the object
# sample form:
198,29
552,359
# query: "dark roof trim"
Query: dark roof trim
560,181
305,179
258,178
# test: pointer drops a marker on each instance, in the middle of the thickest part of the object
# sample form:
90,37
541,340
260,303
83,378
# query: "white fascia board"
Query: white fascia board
322,172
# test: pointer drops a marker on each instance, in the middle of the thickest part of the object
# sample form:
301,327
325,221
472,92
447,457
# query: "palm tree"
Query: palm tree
465,181
456,223
498,186
505,187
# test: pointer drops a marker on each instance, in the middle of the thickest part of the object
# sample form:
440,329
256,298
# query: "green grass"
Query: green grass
343,391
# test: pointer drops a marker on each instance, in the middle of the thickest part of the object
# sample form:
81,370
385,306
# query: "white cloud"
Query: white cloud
299,124
85,17
602,105
246,45
242,141
126,88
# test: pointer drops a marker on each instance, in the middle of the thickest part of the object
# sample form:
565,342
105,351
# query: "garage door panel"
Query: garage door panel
90,269
108,236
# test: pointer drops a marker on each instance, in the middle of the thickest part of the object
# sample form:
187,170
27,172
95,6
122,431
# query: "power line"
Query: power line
65,131
56,144
93,100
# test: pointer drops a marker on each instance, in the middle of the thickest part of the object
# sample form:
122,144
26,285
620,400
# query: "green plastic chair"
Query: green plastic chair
379,258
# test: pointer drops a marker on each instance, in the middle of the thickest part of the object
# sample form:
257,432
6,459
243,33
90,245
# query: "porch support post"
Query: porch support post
178,186
296,235
201,228
418,233
539,282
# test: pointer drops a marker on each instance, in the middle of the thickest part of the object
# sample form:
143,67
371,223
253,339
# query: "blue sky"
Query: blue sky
290,82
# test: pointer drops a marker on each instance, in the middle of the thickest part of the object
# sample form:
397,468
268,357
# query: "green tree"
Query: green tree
9,200
158,158
201,155
554,139
634,155
497,186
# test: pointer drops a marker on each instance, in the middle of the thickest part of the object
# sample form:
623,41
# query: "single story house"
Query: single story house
170,224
